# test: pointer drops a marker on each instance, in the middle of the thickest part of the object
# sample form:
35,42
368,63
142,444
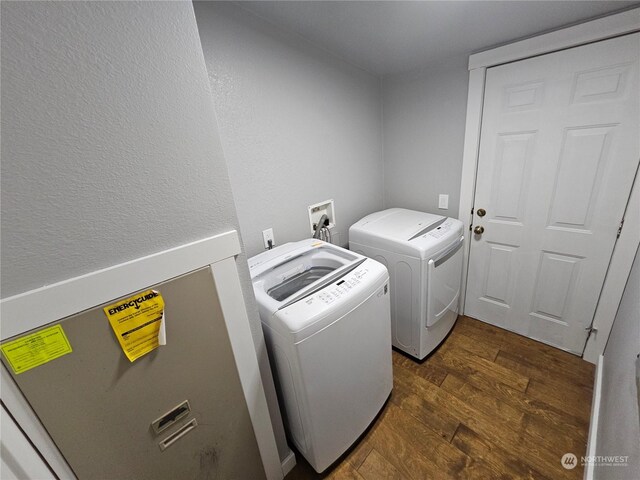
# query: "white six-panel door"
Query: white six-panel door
559,149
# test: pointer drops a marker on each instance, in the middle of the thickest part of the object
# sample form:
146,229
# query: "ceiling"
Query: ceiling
389,37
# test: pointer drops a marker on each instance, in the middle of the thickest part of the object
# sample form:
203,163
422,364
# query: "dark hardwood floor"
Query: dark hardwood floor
486,404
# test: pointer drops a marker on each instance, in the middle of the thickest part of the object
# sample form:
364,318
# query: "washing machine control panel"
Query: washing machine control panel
342,287
337,298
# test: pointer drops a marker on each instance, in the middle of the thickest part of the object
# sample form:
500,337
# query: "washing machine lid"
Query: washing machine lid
291,272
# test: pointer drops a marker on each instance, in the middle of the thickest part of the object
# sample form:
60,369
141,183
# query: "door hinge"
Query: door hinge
591,329
471,210
620,228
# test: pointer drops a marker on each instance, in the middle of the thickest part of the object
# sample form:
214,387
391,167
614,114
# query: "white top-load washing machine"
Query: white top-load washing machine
326,319
423,253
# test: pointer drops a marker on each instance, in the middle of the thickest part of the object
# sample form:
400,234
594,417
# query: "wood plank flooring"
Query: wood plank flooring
486,404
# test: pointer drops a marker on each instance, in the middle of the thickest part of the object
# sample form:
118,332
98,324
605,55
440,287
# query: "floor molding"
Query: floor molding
288,463
595,417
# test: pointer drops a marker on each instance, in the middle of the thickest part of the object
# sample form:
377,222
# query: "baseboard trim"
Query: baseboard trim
288,463
595,417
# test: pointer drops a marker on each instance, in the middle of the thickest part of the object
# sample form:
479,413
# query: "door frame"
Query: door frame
611,26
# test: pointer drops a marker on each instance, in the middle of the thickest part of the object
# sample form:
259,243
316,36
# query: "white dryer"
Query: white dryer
423,253
326,319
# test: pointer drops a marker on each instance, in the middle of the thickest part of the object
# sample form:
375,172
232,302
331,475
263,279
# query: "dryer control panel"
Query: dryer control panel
443,229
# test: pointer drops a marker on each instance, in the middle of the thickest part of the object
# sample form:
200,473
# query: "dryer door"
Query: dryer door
444,275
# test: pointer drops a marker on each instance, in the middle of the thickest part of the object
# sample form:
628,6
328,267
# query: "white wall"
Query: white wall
110,149
297,126
619,421
424,117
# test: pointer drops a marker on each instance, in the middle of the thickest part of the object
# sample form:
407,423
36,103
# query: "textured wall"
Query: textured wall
424,116
108,148
109,144
297,126
619,423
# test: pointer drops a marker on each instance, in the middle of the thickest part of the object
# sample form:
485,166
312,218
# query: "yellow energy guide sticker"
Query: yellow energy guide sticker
136,322
36,349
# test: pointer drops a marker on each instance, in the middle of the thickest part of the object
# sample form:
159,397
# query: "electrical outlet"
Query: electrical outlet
266,236
443,201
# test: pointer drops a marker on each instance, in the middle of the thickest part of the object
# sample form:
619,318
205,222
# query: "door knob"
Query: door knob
479,230
481,212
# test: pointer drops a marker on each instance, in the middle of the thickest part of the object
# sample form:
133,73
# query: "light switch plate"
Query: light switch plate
443,201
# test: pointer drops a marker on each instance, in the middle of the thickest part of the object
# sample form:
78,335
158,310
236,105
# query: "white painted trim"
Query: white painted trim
626,246
53,302
592,443
19,408
469,164
227,283
595,30
288,463
616,279
33,309
19,460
